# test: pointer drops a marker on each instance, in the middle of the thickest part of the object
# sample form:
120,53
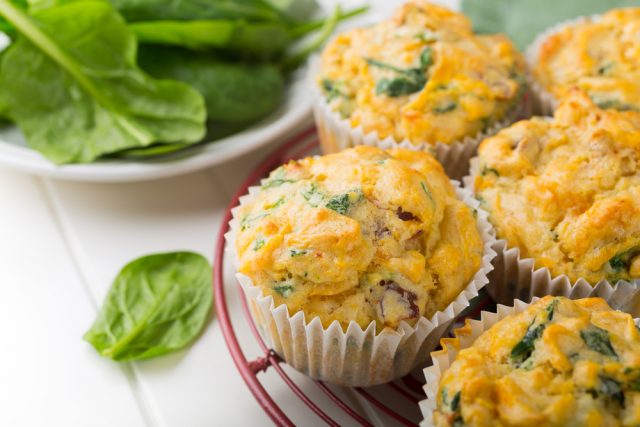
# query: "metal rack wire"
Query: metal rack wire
407,390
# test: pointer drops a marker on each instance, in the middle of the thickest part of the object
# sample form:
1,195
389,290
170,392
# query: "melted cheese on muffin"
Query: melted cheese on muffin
363,235
566,191
422,75
601,57
559,363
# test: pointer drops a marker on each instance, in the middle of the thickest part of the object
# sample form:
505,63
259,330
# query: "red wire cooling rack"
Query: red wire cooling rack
407,390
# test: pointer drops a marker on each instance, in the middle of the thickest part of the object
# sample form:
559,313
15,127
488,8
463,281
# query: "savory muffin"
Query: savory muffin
422,75
601,56
558,363
566,190
363,235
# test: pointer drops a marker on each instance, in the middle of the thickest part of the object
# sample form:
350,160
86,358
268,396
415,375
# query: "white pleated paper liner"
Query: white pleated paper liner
464,337
356,357
543,102
515,277
337,134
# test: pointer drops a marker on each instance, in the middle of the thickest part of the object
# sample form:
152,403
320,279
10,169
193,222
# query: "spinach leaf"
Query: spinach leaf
234,92
331,89
551,309
523,350
522,20
277,178
153,10
254,40
614,104
426,59
157,304
409,80
445,108
612,389
312,195
248,39
339,203
296,10
597,339
487,170
400,86
455,402
284,289
76,92
622,261
258,244
150,151
5,26
617,263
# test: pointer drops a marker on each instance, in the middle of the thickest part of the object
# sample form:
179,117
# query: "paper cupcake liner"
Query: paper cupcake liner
337,134
464,337
543,101
357,357
517,277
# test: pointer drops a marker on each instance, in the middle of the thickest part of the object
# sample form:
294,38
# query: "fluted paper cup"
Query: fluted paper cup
463,338
336,133
357,356
517,277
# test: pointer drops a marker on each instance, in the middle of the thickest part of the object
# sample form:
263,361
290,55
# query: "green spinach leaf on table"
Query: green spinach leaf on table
523,20
234,92
157,304
76,92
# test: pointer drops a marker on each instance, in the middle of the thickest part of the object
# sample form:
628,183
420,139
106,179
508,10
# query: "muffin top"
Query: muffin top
600,56
566,190
363,235
422,75
558,363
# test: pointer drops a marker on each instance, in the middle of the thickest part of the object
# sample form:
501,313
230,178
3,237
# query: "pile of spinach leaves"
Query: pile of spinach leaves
89,79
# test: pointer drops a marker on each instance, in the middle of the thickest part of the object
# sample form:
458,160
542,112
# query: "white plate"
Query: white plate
15,154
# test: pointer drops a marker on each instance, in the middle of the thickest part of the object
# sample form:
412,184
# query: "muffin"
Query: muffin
557,362
565,191
367,240
422,77
599,55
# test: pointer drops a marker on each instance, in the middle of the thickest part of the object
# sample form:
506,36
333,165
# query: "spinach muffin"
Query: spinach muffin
365,235
557,363
565,190
422,76
600,56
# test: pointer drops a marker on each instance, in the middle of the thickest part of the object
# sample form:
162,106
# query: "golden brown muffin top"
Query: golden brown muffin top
363,235
566,190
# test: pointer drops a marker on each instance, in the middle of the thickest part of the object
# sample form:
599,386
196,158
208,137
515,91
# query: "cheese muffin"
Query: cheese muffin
566,190
422,76
558,363
601,56
363,235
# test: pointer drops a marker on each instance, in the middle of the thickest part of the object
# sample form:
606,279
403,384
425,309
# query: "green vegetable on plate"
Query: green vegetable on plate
73,87
226,86
157,304
71,82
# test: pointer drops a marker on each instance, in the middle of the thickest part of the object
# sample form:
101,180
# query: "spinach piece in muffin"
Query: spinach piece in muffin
407,80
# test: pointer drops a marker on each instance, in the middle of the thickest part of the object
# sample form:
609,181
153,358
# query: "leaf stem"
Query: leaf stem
327,28
308,27
27,28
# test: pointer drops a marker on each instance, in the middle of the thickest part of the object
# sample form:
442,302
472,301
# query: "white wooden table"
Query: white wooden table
61,245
